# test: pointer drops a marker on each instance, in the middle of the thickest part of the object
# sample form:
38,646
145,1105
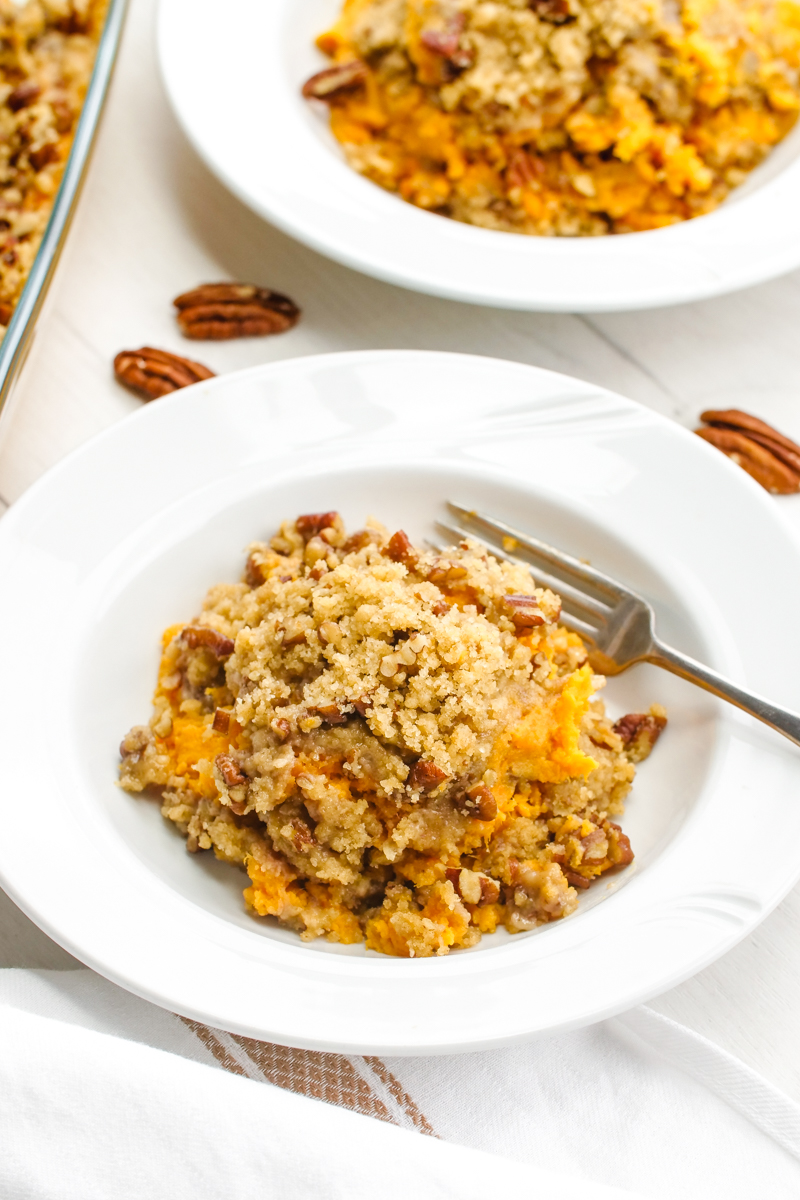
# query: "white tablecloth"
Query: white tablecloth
153,222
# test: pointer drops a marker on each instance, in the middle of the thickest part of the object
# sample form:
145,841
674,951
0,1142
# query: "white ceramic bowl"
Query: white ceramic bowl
122,539
235,86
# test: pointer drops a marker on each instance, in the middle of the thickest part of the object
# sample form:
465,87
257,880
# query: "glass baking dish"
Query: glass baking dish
17,340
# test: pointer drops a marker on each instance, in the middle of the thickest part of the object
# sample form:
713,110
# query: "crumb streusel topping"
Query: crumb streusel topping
399,746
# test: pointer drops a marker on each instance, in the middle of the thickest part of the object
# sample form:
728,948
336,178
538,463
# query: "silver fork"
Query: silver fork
618,624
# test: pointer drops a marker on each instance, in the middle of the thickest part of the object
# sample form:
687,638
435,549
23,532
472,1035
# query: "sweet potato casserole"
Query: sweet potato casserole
400,747
561,116
47,50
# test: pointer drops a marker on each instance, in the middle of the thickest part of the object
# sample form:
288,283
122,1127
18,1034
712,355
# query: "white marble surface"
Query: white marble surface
152,223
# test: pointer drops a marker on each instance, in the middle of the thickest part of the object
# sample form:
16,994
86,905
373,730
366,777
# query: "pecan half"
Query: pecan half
400,550
23,95
771,458
218,311
201,635
229,770
639,733
477,802
734,418
312,524
524,611
152,373
756,460
424,776
344,77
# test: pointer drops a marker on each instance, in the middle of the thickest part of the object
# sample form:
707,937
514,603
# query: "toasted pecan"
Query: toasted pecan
24,94
311,525
772,458
446,42
478,802
344,77
756,460
639,733
229,770
524,611
400,549
218,311
203,635
222,721
735,418
152,373
424,776
555,12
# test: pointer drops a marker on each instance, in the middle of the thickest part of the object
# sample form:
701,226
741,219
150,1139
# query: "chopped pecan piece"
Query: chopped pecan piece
639,733
473,886
446,42
619,845
282,727
43,155
400,550
330,714
445,573
23,95
424,776
152,373
478,802
252,572
360,539
524,611
344,77
556,12
312,524
523,169
229,770
576,881
222,721
218,311
302,837
201,635
135,741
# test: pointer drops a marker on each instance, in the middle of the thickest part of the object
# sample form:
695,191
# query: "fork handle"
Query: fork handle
780,719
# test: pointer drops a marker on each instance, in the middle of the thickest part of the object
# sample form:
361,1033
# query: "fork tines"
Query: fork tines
573,580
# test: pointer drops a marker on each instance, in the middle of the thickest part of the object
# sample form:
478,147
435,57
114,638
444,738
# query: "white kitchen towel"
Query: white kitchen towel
106,1097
